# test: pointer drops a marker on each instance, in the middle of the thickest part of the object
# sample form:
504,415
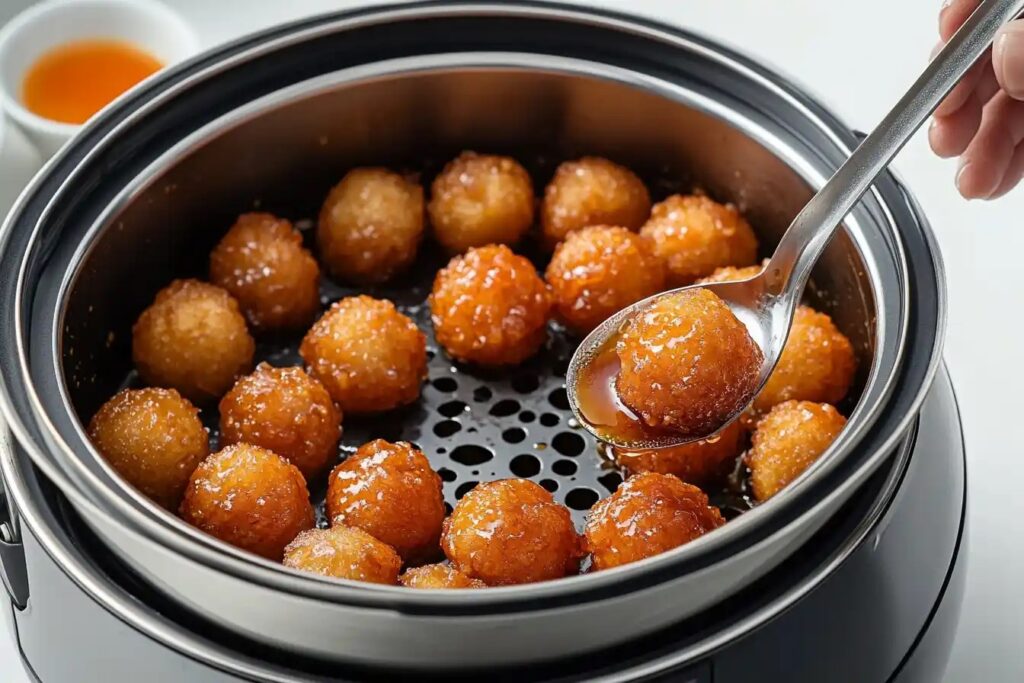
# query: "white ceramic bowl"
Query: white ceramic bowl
147,24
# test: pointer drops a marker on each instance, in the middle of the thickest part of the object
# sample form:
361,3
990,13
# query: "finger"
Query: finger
1014,172
1008,58
988,156
962,91
950,135
953,14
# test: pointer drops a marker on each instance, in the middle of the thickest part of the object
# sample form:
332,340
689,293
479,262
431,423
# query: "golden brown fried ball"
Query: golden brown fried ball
732,274
787,440
153,438
370,225
688,364
370,357
592,191
490,307
648,515
698,463
192,338
343,553
438,576
509,532
389,491
817,363
480,199
249,497
694,235
598,271
285,411
262,263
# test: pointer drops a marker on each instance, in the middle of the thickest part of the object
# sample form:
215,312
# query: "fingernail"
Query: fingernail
1008,55
964,165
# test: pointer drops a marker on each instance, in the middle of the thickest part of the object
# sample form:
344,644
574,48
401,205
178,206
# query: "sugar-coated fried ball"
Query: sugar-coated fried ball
694,235
285,411
490,307
698,463
732,274
592,191
262,263
153,438
389,491
648,515
343,553
509,532
480,199
787,440
817,363
688,364
192,338
598,271
370,357
249,497
438,576
370,225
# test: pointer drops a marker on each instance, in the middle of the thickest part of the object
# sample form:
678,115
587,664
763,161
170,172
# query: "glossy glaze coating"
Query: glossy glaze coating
438,576
343,553
699,463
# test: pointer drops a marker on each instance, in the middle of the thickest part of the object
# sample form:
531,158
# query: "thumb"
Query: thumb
1008,58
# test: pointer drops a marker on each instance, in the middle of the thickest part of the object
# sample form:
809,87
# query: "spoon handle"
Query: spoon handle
813,228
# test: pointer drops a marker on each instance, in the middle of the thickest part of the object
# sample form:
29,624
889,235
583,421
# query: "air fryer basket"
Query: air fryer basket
271,123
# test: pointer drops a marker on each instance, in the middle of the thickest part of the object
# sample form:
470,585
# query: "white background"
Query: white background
858,57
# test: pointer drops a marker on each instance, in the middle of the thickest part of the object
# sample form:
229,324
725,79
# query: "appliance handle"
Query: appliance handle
13,569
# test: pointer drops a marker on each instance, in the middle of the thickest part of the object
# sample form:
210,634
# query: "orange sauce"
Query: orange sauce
72,82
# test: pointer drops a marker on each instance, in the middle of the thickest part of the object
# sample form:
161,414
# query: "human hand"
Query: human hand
982,118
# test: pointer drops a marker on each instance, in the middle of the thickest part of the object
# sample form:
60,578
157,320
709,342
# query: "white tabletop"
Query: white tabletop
858,58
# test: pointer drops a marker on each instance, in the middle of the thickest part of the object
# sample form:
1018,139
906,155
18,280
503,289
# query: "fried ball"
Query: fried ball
699,463
438,576
649,514
370,357
817,363
688,364
509,532
480,199
389,491
370,225
249,497
153,438
694,235
598,271
592,191
261,262
732,274
490,307
285,411
343,553
787,440
192,338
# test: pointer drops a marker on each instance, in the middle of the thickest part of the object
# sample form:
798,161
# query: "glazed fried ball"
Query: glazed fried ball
389,491
592,191
694,235
261,262
285,411
343,553
192,338
817,363
788,439
648,515
698,463
510,532
153,438
370,357
598,271
480,199
732,274
438,576
370,225
490,307
688,364
249,497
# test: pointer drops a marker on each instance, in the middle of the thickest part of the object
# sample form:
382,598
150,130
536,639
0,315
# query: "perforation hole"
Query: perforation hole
527,416
452,408
505,408
525,465
559,399
514,435
610,481
549,420
445,384
465,488
550,484
446,428
471,454
565,468
525,384
581,499
482,394
569,444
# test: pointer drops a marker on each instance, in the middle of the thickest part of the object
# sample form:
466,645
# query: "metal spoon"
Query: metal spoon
766,302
